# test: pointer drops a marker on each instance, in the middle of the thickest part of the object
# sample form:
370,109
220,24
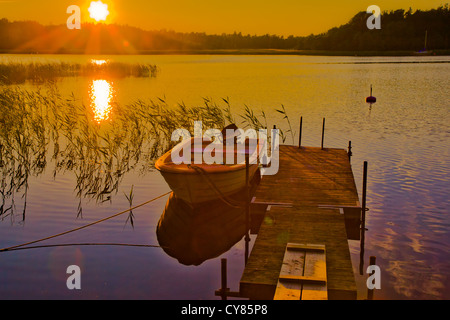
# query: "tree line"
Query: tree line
400,30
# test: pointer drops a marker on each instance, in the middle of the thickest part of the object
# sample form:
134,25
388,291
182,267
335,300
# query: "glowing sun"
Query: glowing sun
98,10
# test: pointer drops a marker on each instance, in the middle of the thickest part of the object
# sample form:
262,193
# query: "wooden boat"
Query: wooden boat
197,183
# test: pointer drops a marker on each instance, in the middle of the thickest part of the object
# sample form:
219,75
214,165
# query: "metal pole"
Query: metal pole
363,219
300,134
247,198
349,151
323,131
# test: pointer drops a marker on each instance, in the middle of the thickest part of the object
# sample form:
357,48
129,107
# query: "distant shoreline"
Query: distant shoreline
254,52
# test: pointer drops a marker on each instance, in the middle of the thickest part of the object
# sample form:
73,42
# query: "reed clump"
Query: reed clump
39,72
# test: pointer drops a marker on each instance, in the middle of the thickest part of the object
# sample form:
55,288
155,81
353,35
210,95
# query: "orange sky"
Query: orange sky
282,17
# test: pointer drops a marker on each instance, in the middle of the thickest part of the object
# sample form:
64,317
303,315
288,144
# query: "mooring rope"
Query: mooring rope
85,226
224,198
88,244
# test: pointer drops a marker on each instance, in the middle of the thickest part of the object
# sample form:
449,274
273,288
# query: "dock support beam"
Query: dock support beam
224,292
224,279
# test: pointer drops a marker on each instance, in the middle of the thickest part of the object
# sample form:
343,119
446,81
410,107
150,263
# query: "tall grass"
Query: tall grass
37,72
286,117
41,128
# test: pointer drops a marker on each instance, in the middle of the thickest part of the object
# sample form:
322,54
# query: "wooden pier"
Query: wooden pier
321,209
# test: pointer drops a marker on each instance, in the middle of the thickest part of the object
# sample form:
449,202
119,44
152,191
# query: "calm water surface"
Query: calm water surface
404,137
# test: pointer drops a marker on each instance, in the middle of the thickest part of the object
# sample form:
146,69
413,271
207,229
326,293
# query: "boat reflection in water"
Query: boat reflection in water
194,234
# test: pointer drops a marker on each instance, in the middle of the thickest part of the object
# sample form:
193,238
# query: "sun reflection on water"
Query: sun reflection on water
101,94
98,62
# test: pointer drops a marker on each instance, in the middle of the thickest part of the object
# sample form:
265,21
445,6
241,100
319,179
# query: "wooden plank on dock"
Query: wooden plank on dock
303,273
308,177
293,264
315,268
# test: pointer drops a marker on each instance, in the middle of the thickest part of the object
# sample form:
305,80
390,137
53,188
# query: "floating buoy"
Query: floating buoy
371,99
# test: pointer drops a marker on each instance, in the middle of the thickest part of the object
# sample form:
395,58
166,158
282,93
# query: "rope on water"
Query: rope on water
87,244
85,226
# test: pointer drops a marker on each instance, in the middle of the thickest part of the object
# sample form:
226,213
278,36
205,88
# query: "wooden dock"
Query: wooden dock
319,185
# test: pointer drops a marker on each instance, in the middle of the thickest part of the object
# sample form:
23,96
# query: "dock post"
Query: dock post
247,199
372,262
300,133
323,132
224,279
363,218
350,151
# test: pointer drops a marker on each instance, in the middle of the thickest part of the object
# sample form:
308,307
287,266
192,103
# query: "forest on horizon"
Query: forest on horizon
401,30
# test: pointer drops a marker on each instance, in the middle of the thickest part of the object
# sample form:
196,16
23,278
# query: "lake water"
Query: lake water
404,137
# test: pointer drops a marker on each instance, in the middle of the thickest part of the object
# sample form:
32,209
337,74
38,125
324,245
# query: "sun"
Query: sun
98,11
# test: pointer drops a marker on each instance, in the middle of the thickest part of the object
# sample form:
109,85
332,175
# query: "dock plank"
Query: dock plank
293,264
315,268
303,273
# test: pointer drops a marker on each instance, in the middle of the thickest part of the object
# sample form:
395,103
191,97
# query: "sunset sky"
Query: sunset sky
282,17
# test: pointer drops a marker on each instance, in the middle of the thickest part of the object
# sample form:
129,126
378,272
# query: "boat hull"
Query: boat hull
197,183
205,186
